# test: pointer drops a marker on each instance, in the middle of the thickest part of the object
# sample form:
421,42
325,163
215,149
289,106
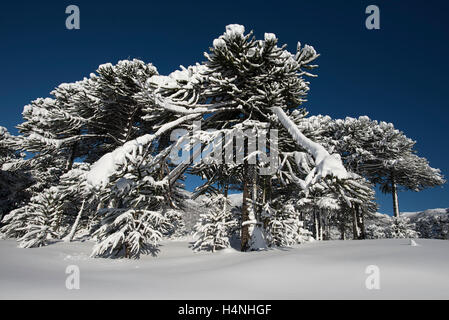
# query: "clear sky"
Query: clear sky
397,74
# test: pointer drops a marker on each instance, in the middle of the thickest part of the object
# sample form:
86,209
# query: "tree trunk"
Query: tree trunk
226,189
245,236
394,192
255,192
361,222
342,225
326,226
71,159
355,228
225,194
321,230
342,232
75,224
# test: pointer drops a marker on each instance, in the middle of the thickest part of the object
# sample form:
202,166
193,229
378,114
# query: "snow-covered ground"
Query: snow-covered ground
330,269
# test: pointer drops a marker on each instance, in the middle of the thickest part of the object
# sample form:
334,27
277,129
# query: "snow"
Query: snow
219,43
106,166
318,270
270,37
234,30
236,199
163,82
188,76
7,166
3,131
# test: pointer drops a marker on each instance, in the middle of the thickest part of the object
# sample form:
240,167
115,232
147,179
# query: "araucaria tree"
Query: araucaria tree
104,157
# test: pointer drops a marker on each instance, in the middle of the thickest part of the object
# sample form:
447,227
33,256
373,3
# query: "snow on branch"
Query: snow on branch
326,164
108,164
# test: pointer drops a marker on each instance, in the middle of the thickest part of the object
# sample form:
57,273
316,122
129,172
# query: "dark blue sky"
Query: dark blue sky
397,74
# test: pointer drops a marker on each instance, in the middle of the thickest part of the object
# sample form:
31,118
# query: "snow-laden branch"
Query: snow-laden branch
181,108
102,169
58,143
326,164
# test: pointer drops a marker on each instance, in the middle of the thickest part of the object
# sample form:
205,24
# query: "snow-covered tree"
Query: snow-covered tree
42,220
91,117
127,232
173,226
216,226
130,212
384,155
403,228
62,200
283,224
375,150
15,177
432,224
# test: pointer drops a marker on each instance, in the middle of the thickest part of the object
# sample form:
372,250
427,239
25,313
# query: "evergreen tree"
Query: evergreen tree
41,220
403,228
216,226
14,175
283,224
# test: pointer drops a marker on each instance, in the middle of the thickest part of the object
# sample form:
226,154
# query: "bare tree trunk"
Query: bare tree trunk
75,224
394,192
320,223
355,228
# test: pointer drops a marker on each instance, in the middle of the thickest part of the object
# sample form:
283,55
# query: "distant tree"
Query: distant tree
403,228
377,151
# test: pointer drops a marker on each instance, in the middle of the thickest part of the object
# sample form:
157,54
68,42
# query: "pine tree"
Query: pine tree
216,226
384,155
15,177
42,220
283,224
130,211
403,228
265,82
